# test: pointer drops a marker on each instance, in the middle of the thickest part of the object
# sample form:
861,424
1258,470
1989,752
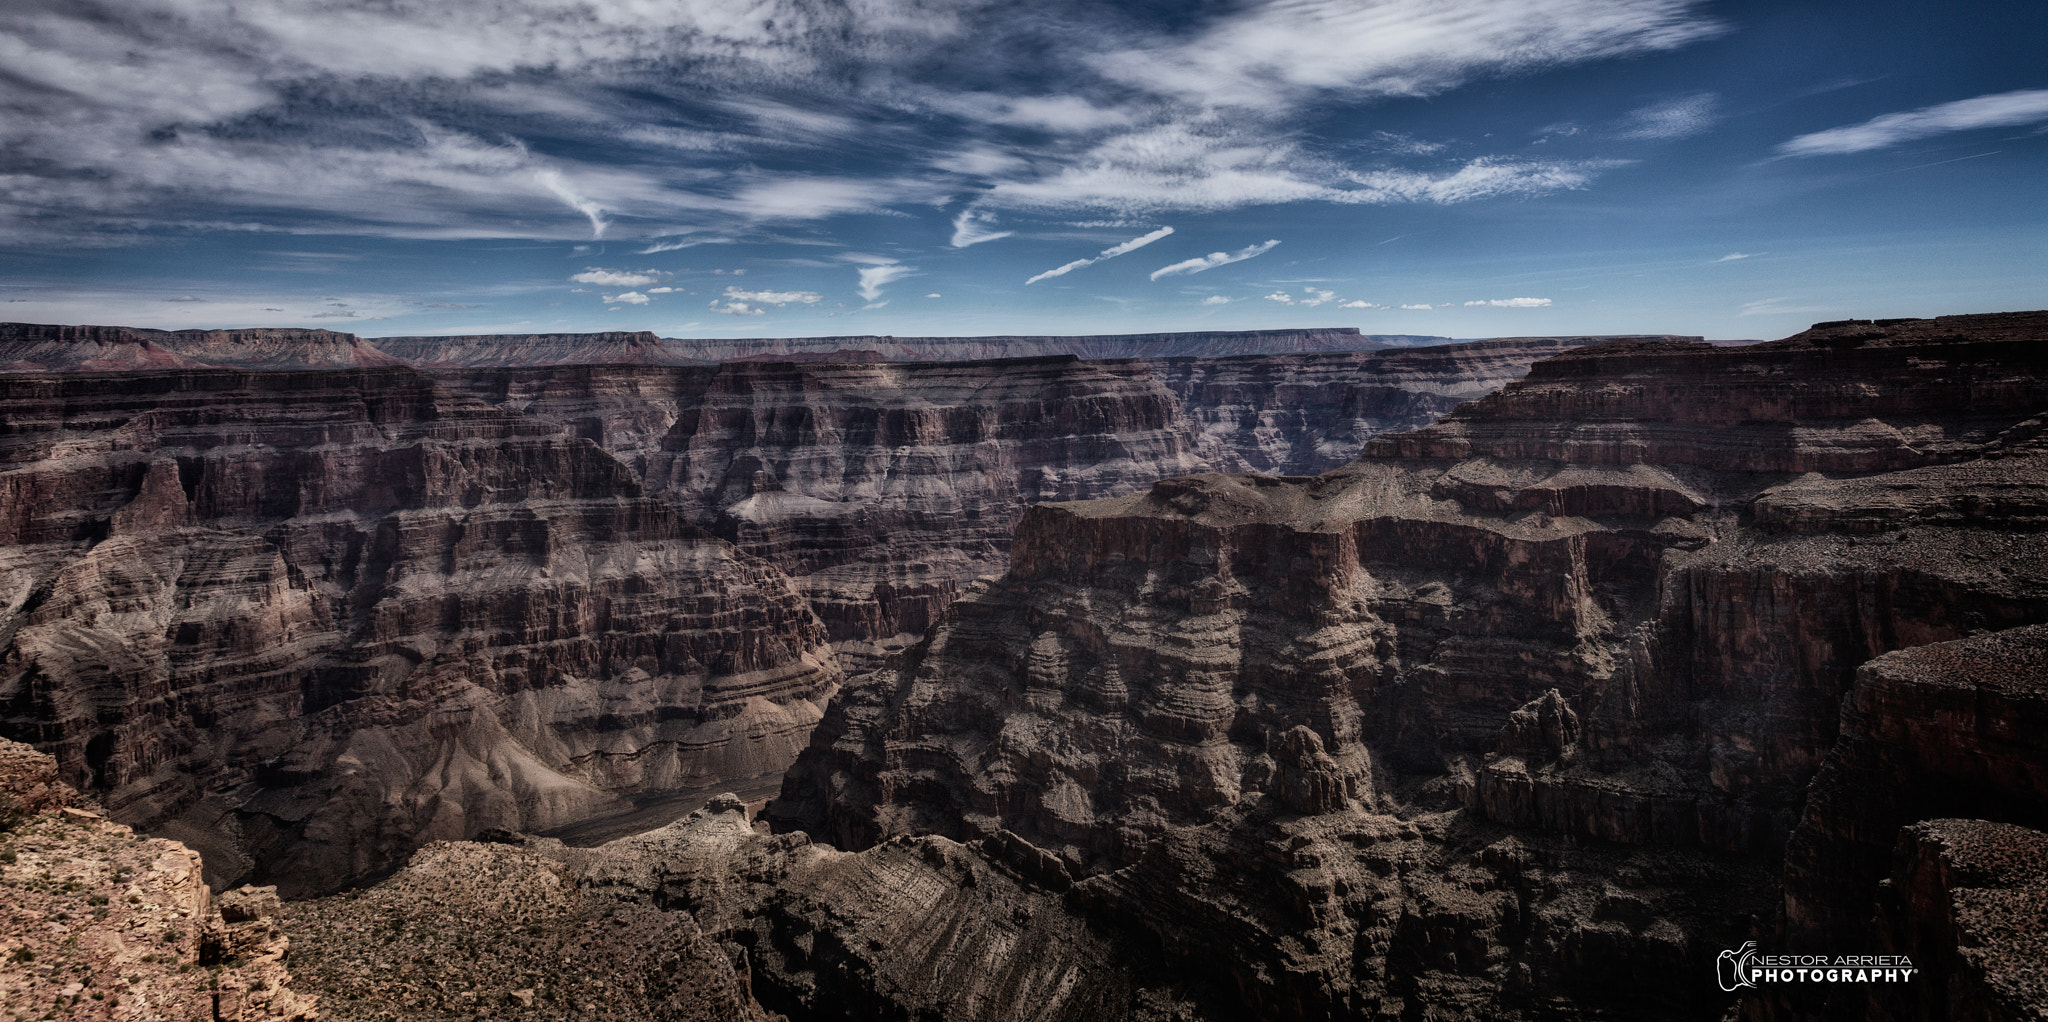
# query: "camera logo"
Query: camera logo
1732,968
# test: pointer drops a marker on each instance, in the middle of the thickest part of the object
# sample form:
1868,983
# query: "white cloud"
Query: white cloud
772,297
628,298
736,309
1733,256
1215,300
877,276
935,294
1282,297
1317,296
1359,304
1108,253
1215,259
554,182
1998,110
663,290
972,227
1419,308
388,118
618,278
1677,118
1513,303
1270,53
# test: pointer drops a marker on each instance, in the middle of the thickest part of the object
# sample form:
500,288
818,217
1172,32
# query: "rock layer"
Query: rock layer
307,620
1621,600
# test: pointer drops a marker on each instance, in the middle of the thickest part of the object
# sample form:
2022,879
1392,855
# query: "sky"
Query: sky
758,168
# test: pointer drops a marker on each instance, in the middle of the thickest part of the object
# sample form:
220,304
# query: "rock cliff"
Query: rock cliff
1310,413
1519,712
305,621
100,922
806,464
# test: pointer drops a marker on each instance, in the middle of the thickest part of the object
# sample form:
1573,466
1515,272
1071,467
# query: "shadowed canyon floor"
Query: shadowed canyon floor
1530,713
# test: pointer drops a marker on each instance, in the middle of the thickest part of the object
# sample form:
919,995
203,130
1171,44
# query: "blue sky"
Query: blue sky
706,168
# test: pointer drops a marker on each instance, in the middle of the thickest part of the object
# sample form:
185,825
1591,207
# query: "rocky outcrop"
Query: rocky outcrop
1966,902
1956,728
102,923
305,621
1622,600
493,930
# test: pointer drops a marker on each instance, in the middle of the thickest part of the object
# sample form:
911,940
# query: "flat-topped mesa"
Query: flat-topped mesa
1855,396
1211,343
305,621
615,347
1574,608
33,347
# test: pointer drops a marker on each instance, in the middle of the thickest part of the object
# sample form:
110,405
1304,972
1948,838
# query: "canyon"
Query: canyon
308,613
1513,679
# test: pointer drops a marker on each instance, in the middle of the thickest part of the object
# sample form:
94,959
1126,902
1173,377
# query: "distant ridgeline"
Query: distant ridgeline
33,347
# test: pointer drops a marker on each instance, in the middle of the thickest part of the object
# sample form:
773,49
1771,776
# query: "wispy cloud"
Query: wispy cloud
1733,256
628,298
1215,300
1108,253
1998,110
1215,259
876,276
972,227
1418,307
1683,117
1513,303
1779,307
554,182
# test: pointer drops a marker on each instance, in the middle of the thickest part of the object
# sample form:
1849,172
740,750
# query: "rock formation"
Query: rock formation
305,621
805,464
99,922
1310,413
1621,601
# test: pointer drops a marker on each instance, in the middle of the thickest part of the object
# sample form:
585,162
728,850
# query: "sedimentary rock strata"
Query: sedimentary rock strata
307,620
1307,414
1620,601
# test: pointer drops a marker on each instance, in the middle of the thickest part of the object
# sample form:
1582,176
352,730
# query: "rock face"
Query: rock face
102,923
1311,413
1622,600
806,465
305,621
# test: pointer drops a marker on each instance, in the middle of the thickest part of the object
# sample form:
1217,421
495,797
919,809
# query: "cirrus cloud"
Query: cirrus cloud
1215,259
1998,110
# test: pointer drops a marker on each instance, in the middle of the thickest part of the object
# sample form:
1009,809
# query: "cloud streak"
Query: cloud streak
1998,110
1215,259
1108,253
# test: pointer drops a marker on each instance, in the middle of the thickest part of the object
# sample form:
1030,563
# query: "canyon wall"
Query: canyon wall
304,621
1518,710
